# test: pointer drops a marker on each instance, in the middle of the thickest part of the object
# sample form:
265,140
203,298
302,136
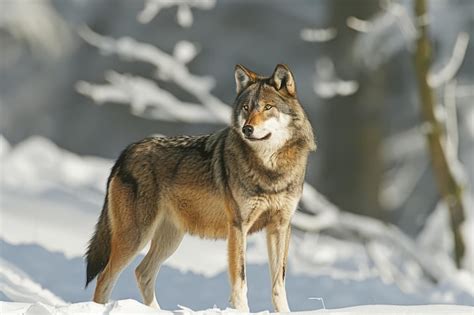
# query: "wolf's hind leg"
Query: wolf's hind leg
121,254
164,243
126,240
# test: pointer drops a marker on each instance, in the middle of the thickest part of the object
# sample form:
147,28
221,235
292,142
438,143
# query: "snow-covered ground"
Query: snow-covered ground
50,201
133,307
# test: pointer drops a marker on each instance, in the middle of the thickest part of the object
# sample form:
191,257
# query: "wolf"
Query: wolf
226,185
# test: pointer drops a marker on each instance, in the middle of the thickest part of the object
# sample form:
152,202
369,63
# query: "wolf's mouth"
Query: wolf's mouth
259,139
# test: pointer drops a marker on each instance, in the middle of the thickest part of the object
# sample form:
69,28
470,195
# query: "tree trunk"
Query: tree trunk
448,187
350,137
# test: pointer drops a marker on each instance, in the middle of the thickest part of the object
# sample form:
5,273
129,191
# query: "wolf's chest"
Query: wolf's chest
277,209
267,203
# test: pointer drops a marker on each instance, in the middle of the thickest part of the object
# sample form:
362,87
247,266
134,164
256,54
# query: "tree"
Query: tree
450,190
350,139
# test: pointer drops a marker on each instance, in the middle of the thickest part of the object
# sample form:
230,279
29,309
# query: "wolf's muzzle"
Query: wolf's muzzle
247,130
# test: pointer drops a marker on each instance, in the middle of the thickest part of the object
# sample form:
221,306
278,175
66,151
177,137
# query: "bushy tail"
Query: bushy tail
98,252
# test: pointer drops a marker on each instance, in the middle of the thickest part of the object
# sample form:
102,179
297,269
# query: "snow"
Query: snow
358,24
133,307
437,235
447,73
18,286
4,146
327,84
39,25
51,199
389,31
318,35
470,121
185,51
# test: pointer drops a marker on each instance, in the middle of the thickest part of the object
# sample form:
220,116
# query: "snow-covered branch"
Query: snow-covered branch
359,25
38,24
381,37
318,34
184,15
146,99
170,68
405,153
447,73
329,219
451,142
327,83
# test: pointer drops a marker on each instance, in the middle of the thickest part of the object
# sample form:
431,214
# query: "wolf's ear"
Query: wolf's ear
243,78
283,78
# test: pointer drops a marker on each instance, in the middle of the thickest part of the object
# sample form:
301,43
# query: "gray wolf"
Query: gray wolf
236,181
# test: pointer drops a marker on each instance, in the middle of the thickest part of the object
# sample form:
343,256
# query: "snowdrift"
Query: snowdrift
133,307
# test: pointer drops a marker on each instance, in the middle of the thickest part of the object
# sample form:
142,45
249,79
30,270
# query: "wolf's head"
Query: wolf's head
267,113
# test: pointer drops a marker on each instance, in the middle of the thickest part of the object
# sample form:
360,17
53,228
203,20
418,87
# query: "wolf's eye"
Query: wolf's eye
268,107
246,108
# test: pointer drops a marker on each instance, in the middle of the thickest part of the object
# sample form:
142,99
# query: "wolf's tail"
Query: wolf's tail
98,252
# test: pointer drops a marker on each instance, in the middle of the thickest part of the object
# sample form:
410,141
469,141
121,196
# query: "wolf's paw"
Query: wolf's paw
240,304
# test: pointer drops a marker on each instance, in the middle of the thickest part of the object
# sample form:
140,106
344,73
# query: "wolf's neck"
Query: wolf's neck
268,155
269,152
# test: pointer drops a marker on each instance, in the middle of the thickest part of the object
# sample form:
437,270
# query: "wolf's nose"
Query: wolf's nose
247,130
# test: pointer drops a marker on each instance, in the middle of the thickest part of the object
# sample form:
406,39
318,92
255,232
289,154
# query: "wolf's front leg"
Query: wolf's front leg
237,243
278,239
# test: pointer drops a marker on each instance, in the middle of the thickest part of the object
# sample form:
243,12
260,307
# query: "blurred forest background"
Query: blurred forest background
166,67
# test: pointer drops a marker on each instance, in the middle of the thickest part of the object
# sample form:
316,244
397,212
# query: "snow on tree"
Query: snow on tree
184,15
37,24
